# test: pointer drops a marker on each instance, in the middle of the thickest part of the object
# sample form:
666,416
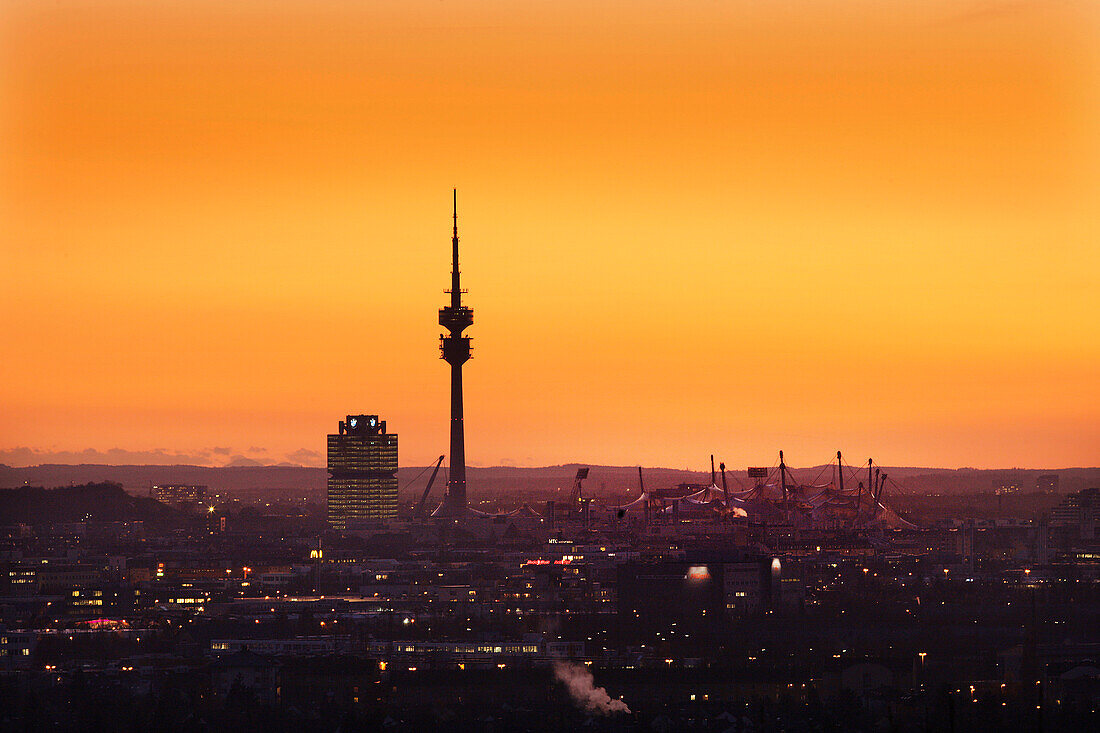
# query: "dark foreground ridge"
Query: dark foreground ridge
97,502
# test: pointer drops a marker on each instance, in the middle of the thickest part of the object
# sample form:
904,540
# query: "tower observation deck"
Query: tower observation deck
455,350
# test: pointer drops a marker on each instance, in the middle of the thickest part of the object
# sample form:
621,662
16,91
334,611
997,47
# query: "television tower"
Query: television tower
455,350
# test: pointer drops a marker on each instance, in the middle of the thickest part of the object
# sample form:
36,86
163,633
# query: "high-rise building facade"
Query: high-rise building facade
362,466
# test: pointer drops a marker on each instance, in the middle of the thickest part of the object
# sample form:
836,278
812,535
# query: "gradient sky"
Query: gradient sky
724,226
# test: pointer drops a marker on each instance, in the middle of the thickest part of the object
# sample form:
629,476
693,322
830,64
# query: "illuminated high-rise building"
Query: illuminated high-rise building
362,465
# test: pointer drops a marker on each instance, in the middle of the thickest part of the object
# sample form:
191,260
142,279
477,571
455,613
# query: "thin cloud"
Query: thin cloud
304,457
239,460
23,456
26,456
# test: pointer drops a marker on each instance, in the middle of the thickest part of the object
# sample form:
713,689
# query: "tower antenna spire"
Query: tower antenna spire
456,287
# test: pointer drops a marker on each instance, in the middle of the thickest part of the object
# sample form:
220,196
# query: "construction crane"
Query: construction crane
424,496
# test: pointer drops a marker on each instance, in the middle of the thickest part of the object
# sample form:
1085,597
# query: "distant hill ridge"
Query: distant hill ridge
310,482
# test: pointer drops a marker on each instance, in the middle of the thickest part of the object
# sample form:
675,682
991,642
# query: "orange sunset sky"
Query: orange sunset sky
725,226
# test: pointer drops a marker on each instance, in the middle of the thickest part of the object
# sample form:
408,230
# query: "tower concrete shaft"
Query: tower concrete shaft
455,350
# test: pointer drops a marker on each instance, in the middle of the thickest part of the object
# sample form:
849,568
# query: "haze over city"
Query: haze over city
690,228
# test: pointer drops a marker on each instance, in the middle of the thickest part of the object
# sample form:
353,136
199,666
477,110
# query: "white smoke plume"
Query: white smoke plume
578,680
